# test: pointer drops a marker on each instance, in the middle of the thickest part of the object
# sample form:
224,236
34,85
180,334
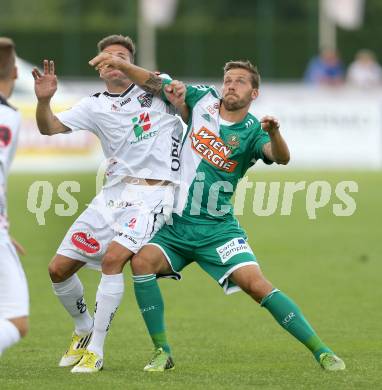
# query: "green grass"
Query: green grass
331,266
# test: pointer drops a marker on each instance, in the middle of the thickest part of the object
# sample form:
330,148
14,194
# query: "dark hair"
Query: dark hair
247,65
126,42
7,57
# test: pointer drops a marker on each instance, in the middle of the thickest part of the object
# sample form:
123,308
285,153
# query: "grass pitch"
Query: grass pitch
331,266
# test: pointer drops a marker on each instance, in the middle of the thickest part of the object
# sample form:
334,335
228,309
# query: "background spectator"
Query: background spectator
365,70
326,69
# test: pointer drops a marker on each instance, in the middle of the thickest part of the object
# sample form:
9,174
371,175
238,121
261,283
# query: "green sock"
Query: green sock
289,316
150,302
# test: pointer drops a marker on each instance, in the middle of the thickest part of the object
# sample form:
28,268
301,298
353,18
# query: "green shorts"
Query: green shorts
218,248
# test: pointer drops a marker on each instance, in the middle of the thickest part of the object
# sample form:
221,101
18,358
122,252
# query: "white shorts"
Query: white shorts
126,213
14,297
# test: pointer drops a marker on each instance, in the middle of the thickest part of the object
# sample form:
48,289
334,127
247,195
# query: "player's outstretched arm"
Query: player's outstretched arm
149,81
276,150
45,86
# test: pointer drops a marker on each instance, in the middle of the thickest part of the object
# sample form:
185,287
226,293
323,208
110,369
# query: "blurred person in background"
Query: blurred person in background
326,69
14,298
365,71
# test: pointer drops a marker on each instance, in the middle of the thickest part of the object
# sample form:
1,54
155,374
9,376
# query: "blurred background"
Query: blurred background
318,60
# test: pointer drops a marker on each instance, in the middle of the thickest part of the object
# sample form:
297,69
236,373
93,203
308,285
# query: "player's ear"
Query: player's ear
255,93
15,73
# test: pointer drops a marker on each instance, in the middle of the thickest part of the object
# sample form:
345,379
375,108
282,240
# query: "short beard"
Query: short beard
236,105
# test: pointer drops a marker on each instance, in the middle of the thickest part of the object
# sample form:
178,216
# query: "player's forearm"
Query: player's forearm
147,80
279,151
47,123
184,112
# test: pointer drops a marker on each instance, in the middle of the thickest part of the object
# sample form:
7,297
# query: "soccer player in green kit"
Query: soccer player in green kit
222,141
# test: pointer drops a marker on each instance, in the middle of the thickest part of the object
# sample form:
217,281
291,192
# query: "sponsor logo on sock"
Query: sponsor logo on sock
81,305
288,318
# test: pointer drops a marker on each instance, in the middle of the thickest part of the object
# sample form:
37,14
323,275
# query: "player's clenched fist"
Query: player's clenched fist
45,84
175,93
269,124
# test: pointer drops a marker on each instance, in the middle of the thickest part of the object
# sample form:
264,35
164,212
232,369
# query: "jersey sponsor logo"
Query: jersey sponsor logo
86,242
118,204
233,248
212,148
145,99
175,158
123,102
142,125
5,136
233,141
132,223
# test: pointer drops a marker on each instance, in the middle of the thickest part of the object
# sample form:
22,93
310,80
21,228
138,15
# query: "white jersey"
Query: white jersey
139,134
9,131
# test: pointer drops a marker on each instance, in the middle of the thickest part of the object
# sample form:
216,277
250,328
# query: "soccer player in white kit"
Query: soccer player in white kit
14,299
141,138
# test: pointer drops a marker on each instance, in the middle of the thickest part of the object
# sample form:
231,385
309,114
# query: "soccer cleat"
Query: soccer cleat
160,362
90,362
75,351
331,362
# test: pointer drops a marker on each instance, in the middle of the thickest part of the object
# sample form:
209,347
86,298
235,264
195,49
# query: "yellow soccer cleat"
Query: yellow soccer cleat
331,362
90,362
75,351
161,361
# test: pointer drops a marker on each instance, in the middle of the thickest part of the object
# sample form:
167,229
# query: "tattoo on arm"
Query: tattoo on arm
153,84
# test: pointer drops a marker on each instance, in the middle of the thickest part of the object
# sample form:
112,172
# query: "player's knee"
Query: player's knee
113,262
22,325
142,266
258,288
57,274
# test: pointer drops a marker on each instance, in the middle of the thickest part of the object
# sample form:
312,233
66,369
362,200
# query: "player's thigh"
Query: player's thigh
63,267
150,260
90,235
146,212
14,296
227,251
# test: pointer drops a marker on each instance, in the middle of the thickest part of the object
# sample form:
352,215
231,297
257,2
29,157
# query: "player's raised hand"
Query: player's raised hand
269,124
175,93
45,84
104,60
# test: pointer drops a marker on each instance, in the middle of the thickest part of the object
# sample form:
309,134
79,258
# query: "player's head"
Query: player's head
120,46
240,85
8,70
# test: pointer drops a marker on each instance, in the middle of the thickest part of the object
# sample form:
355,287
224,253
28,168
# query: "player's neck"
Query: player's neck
6,89
117,86
233,116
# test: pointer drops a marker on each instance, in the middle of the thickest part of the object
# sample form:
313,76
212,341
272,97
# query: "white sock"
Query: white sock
71,295
109,296
9,334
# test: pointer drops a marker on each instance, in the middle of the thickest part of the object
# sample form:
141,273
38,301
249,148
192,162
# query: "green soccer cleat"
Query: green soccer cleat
90,362
331,362
160,362
75,351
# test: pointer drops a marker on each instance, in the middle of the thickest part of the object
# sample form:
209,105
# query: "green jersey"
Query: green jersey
214,157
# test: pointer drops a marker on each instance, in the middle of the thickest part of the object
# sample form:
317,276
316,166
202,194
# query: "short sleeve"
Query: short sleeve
79,117
196,92
260,140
